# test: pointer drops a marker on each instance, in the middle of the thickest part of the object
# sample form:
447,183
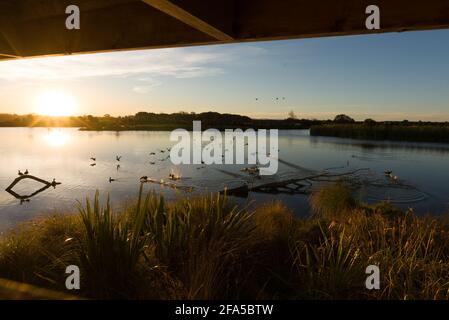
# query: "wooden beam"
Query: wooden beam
30,28
293,19
124,26
8,56
11,290
173,10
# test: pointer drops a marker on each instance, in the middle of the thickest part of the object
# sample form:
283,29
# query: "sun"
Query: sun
55,104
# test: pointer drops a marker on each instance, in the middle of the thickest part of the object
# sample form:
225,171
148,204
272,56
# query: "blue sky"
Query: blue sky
390,76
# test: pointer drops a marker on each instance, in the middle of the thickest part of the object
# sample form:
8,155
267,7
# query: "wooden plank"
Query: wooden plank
291,19
124,26
11,290
29,28
186,17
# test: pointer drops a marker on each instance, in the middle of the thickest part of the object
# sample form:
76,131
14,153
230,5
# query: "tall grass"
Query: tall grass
207,248
420,133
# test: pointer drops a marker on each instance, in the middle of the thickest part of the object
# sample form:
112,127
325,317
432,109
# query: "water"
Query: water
64,154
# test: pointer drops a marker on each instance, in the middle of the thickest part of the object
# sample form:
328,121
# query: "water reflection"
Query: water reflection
56,137
26,198
66,155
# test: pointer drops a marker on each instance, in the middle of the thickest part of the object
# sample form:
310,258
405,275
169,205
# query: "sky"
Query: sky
391,76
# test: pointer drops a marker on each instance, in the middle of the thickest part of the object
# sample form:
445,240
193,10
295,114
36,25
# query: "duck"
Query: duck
172,176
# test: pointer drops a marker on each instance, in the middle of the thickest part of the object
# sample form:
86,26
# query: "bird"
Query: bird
172,176
152,162
162,151
111,180
93,159
152,153
118,158
20,173
93,164
118,167
144,178
26,171
388,173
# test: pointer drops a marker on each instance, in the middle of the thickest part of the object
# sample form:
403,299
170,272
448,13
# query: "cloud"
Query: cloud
178,63
146,85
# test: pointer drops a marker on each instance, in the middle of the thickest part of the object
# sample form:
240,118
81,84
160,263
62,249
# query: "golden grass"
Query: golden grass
205,248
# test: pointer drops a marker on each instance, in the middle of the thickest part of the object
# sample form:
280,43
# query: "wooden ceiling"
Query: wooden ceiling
30,28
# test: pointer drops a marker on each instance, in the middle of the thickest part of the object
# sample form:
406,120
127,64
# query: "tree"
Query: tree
369,122
292,115
342,118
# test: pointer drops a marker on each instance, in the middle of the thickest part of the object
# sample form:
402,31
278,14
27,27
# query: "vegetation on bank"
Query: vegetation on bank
153,121
206,248
416,132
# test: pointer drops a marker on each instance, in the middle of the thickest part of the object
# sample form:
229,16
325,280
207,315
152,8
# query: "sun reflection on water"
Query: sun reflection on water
56,138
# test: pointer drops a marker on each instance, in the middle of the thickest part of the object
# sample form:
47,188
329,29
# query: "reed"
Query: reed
207,248
411,132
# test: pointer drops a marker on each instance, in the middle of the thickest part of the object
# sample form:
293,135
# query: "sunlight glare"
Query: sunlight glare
55,104
56,138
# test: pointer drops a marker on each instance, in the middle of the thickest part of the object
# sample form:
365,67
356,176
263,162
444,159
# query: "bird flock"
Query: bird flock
153,161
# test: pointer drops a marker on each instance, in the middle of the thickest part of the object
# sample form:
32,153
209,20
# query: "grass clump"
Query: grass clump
206,248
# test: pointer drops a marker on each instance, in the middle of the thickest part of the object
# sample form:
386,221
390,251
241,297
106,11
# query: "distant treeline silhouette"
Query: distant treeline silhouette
369,129
154,121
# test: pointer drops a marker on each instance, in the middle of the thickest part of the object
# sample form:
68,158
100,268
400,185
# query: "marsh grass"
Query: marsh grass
207,248
435,132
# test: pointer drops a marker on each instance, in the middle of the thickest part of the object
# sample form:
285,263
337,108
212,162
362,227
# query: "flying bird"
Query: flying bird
118,158
93,159
111,180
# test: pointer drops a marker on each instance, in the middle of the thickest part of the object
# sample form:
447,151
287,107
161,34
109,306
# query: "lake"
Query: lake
64,154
